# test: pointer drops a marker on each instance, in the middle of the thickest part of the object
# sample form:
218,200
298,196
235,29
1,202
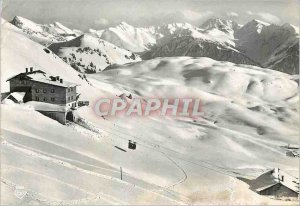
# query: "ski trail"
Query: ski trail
183,179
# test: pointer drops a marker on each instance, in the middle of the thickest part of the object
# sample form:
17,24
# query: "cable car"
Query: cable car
131,145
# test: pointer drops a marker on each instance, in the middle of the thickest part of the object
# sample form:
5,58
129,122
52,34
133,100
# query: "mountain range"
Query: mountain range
255,43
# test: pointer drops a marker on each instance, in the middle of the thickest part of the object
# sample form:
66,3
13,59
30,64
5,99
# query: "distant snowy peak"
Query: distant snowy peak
254,25
61,28
44,33
89,54
169,29
198,47
126,27
128,37
55,28
23,23
138,39
291,27
95,33
270,45
220,24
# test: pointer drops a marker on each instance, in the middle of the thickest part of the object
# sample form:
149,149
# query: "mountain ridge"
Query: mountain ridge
256,42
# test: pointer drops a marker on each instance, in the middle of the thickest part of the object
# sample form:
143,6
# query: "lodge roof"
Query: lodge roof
40,76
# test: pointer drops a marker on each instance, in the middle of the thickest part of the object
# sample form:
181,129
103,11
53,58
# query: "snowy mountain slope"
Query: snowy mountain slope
89,54
249,113
29,150
75,168
172,28
128,37
267,44
139,39
256,43
16,56
213,44
227,26
95,33
285,59
215,39
44,34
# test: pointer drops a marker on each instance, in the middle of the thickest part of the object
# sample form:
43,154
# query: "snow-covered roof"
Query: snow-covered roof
46,107
44,79
19,96
24,74
40,76
266,187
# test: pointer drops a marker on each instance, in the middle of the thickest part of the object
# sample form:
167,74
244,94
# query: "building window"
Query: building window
69,98
52,99
72,97
37,98
45,99
71,89
37,90
52,90
44,90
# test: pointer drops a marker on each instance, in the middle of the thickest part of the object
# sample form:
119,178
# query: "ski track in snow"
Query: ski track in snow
180,168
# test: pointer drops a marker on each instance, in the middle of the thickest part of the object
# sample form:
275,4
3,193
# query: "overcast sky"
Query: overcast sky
97,14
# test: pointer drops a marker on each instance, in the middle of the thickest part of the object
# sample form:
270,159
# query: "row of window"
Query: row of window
44,90
45,99
52,99
52,90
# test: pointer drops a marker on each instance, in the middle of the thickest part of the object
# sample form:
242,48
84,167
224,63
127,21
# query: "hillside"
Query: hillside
249,114
270,45
44,34
89,54
26,54
255,43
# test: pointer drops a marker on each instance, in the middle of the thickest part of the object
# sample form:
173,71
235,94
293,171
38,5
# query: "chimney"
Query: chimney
31,69
61,80
26,70
57,78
